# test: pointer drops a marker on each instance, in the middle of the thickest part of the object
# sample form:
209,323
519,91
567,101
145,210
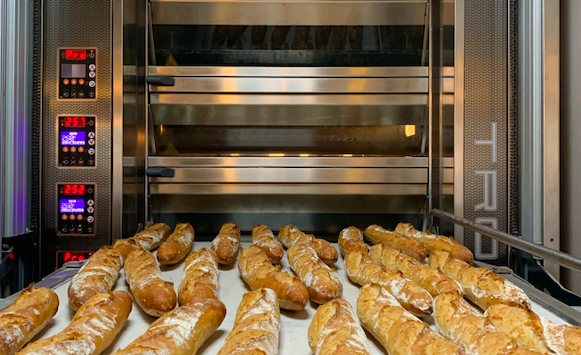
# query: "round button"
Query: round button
74,81
90,202
90,209
65,149
91,134
81,162
66,162
80,217
91,162
91,142
91,55
91,74
64,217
73,149
90,190
66,94
89,230
91,151
90,219
81,82
81,149
91,122
91,66
72,217
80,230
65,229
92,83
66,81
81,94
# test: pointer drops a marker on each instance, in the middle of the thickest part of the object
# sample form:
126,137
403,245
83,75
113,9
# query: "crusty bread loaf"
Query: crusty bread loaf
257,271
321,281
481,285
561,338
457,320
335,330
397,330
290,235
148,239
126,246
154,295
98,275
351,239
263,238
377,234
25,317
92,330
177,245
226,243
432,280
434,242
256,327
181,331
200,280
362,270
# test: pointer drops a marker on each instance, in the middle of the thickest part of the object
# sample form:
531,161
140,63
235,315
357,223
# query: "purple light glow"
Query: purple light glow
72,206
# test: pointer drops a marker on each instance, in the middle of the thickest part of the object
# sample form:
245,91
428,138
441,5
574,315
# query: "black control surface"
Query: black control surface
77,73
76,209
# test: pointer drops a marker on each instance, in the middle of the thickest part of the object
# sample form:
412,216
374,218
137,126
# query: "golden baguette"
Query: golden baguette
263,238
148,239
226,243
181,331
335,330
399,332
257,271
93,328
321,281
377,234
98,275
290,235
480,285
177,245
432,280
200,277
362,270
562,339
434,242
458,320
25,317
256,327
154,295
351,239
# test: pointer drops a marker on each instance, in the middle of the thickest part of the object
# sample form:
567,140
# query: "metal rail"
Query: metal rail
555,256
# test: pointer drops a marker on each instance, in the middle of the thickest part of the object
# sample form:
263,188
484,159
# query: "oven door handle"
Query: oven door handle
161,80
160,172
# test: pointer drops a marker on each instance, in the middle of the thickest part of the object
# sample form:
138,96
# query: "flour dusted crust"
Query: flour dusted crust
226,243
362,270
377,234
98,275
561,338
351,239
92,330
290,235
181,331
321,281
177,245
200,277
398,331
149,239
25,317
335,330
263,238
256,327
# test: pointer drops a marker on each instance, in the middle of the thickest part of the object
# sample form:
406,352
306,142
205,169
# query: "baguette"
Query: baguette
98,275
226,243
321,281
376,234
181,331
200,277
432,280
351,239
362,270
457,320
154,295
289,235
335,330
148,239
257,271
263,238
480,285
399,332
562,339
25,317
177,245
434,242
92,330
256,327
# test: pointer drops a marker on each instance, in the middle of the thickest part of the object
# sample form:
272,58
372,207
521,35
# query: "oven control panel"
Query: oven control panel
77,140
77,73
76,209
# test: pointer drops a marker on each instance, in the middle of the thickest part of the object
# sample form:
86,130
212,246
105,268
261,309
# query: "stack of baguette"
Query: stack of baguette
377,234
148,239
290,235
263,238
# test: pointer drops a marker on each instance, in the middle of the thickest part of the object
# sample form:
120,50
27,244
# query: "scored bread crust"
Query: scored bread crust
398,331
148,239
263,238
257,271
25,317
435,242
335,330
154,295
200,277
322,282
563,339
289,235
377,234
98,275
432,280
257,325
177,245
227,243
362,270
351,239
93,328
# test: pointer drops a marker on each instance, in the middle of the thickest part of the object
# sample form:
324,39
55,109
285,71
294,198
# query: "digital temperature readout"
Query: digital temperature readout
73,189
66,256
73,122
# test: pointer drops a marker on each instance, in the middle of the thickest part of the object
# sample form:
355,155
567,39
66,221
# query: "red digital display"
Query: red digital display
75,54
72,256
74,189
74,122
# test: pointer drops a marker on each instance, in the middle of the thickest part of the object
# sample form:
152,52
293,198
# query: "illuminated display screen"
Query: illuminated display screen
74,122
73,70
76,54
72,206
73,138
73,189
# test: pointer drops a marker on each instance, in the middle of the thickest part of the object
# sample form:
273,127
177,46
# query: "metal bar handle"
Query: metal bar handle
555,256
